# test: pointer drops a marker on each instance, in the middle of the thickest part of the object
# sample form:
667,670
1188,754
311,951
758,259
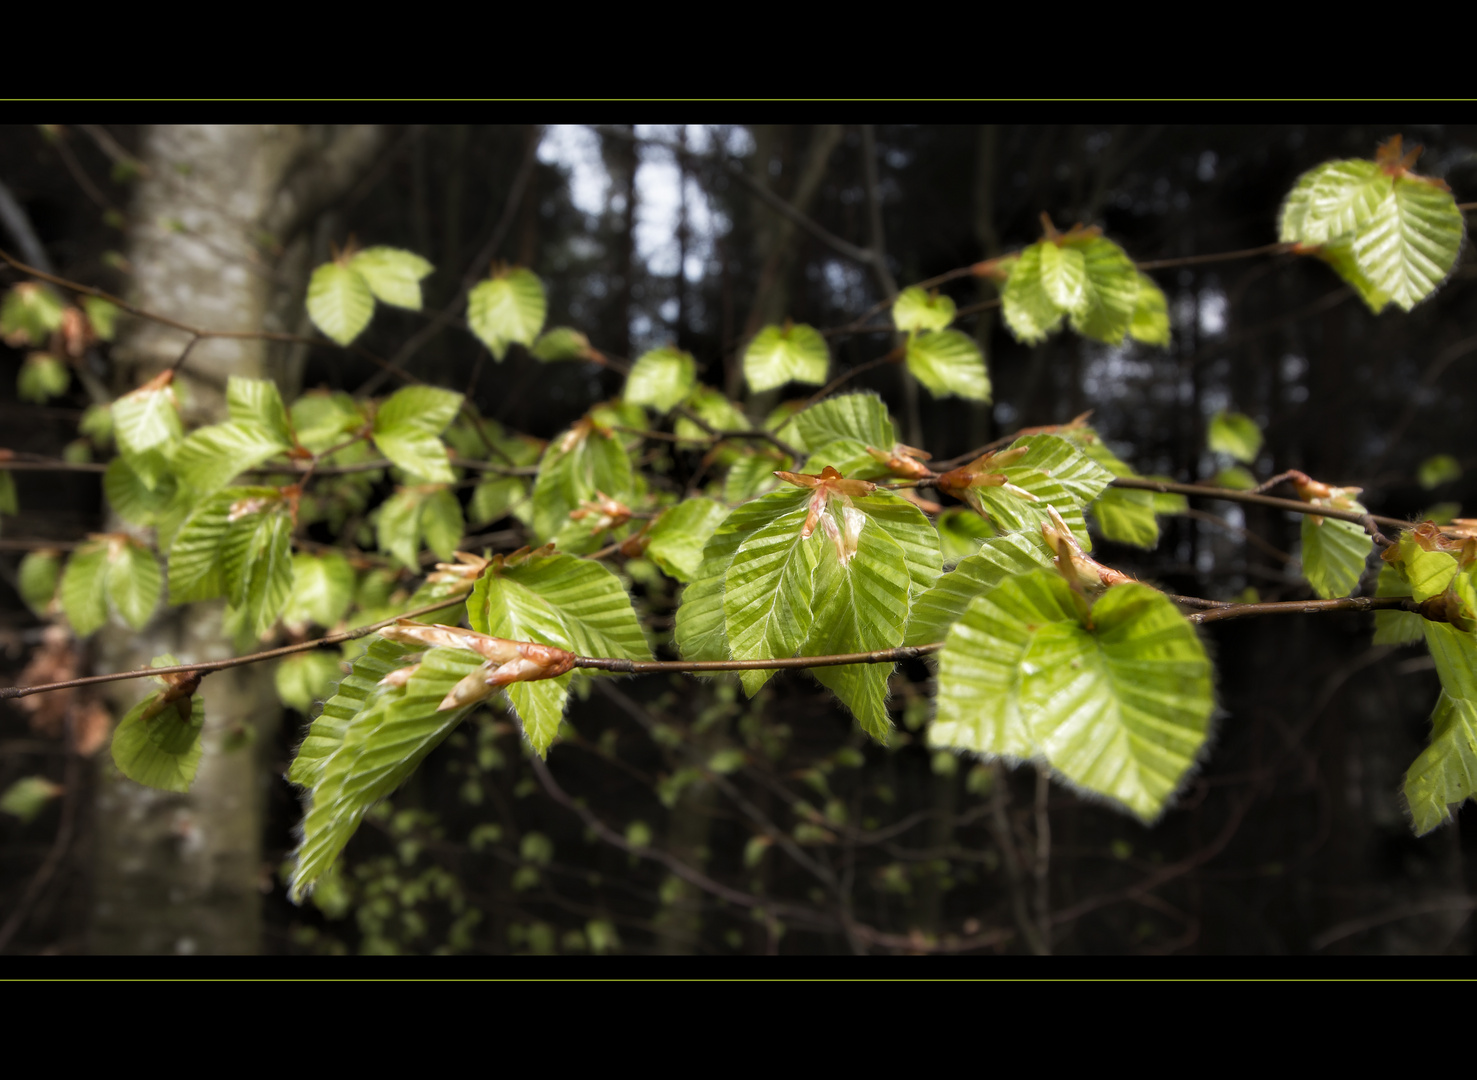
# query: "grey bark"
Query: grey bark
184,873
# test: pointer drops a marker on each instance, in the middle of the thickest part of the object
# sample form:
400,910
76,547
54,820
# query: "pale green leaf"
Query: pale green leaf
752,473
161,751
442,524
146,425
862,606
949,362
259,402
353,694
398,529
133,582
257,567
84,588
379,748
37,578
1150,322
915,309
41,378
911,531
575,465
213,456
1236,478
1112,291
407,429
1334,553
495,497
1331,201
28,796
1064,276
323,420
131,498
1123,709
676,540
1437,470
1455,653
1445,774
103,316
1339,254
997,559
306,677
1395,627
1410,244
862,417
767,598
393,276
1126,516
322,587
562,343
32,310
717,412
1028,308
790,353
661,379
1235,434
961,532
507,309
340,302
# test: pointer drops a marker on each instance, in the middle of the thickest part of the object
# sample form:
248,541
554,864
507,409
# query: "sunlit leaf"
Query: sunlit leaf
575,465
30,313
1064,276
862,417
1445,774
789,353
256,564
133,582
915,309
407,429
213,456
1150,322
677,538
995,560
322,588
340,302
1029,309
1235,434
1437,470
949,362
1112,291
767,597
961,532
495,497
562,343
41,378
323,420
442,524
37,579
103,316
353,693
306,677
146,425
661,379
28,796
506,309
162,750
1395,627
84,588
393,276
1334,553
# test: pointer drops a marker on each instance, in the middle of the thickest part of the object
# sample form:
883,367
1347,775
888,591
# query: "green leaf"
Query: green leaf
398,530
39,574
133,582
914,309
997,559
1395,627
30,311
661,379
575,465
701,624
131,498
912,532
1332,201
767,594
495,497
677,538
378,749
1236,478
949,362
862,606
256,564
752,473
213,456
1235,434
506,309
1029,310
323,420
8,503
1334,554
1455,653
961,532
1437,470
1428,573
1127,516
789,353
158,744
195,557
862,417
1339,254
1121,709
102,315
1445,774
1064,276
28,796
562,343
97,424
1057,474
146,424
353,694
442,523
1410,244
393,276
322,588
340,302
1112,291
41,378
306,677
407,429
84,588
1150,322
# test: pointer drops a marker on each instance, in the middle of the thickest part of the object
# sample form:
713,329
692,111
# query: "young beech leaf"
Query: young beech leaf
1029,310
661,379
84,587
1150,322
158,743
914,309
1445,774
782,354
676,540
1111,291
41,378
133,581
146,425
1334,553
322,588
1235,434
28,796
393,276
862,417
1119,707
407,429
304,678
508,308
576,464
1395,627
30,313
949,362
37,579
340,302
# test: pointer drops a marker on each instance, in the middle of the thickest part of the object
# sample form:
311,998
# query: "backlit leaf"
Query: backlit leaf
660,379
1445,774
340,302
575,465
133,582
506,309
162,751
39,574
862,417
41,378
914,309
1334,553
306,677
84,588
1235,434
949,362
146,425
1150,322
782,354
1064,276
1112,291
767,598
1029,310
322,588
407,429
677,538
393,276
997,559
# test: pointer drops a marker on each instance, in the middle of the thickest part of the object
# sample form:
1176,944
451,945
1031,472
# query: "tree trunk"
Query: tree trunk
184,873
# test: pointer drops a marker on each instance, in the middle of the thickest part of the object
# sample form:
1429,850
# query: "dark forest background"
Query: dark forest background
1291,838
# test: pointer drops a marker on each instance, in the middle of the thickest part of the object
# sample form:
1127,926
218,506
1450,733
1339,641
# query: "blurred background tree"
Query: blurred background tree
782,829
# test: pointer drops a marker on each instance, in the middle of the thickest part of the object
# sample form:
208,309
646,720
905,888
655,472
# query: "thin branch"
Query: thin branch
1231,495
1222,256
861,369
790,663
1309,607
753,433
